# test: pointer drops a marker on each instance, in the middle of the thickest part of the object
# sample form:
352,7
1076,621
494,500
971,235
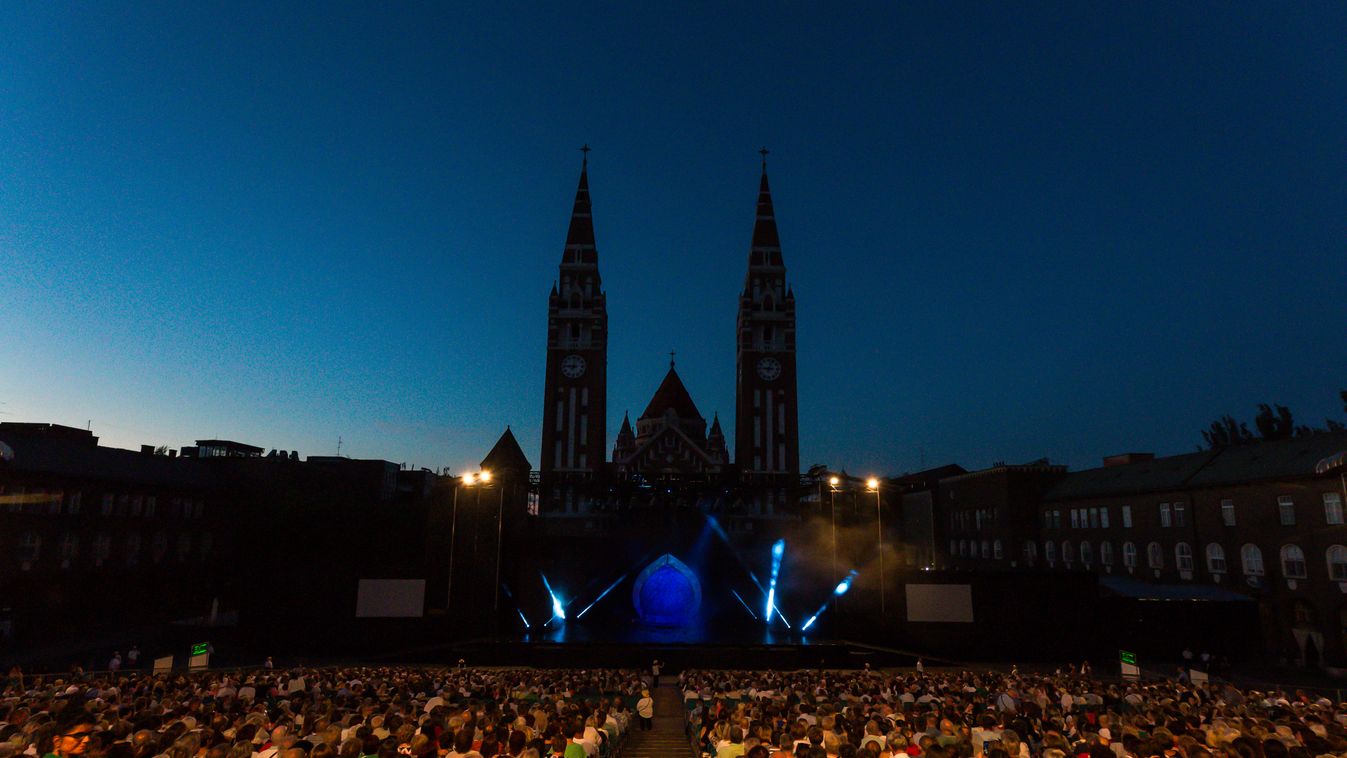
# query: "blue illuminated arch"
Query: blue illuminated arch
667,593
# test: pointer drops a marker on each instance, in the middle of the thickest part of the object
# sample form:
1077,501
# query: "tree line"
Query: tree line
1273,422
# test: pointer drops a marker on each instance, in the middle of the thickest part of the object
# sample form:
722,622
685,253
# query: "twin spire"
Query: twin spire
765,249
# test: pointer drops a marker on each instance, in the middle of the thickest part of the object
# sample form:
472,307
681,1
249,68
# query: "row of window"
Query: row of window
53,502
29,549
1293,563
965,520
1175,514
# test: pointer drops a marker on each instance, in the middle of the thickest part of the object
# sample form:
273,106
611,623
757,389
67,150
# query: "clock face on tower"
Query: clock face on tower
769,369
573,366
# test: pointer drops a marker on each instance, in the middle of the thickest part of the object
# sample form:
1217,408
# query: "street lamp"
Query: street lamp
833,481
873,485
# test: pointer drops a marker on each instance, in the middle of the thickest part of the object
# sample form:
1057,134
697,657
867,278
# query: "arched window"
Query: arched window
132,548
1050,551
30,547
1106,553
1129,555
997,550
986,550
1155,556
70,546
1086,553
963,548
1215,558
1252,559
1183,556
1337,563
102,547
1030,552
1068,555
1293,562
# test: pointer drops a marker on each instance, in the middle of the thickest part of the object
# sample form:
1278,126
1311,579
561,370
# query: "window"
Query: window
1030,552
137,505
1165,518
1286,510
1047,519
102,548
1215,558
1127,516
1068,554
1103,517
1183,557
132,549
986,550
1050,551
159,547
1094,518
1337,563
72,503
30,547
1106,553
1332,508
1075,518
1293,562
1129,555
1228,512
1086,553
1155,556
997,550
1180,514
70,546
1252,559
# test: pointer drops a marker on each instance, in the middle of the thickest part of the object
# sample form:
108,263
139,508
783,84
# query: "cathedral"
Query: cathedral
670,455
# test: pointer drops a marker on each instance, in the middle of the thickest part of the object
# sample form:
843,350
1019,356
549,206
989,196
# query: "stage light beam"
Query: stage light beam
601,596
839,590
741,602
778,551
558,610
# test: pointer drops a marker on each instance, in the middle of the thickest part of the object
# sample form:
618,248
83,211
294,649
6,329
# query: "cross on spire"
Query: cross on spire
763,152
584,149
672,353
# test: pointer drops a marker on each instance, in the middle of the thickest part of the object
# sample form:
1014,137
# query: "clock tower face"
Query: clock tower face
573,366
769,369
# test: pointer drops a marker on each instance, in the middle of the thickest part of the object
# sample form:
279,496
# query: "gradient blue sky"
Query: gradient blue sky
1014,229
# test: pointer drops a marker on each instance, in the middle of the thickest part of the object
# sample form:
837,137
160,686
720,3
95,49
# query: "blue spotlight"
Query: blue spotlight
558,610
601,596
741,602
840,590
778,550
527,625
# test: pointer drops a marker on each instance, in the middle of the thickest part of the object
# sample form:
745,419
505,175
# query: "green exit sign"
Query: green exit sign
1127,656
200,648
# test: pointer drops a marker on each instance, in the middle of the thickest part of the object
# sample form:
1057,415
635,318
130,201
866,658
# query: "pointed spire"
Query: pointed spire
766,246
580,236
715,426
625,431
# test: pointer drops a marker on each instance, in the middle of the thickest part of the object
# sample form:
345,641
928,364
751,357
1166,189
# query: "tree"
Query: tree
1274,422
1226,431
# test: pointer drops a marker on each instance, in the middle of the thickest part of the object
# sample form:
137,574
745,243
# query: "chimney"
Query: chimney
1123,459
173,453
147,449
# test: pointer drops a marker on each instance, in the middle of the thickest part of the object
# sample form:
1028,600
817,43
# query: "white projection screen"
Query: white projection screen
940,602
390,598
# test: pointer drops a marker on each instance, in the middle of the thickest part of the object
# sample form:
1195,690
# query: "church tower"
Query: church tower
766,432
574,443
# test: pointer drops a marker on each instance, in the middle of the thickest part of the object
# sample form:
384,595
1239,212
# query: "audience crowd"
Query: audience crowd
968,714
528,713
319,713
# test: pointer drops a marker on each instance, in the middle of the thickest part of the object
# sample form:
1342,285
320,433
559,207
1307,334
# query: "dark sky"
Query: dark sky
1014,230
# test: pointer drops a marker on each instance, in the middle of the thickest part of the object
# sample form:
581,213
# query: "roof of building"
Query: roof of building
506,455
672,394
65,457
1154,475
1261,461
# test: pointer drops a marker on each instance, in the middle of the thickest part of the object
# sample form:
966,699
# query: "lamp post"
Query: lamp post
833,481
873,485
467,480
